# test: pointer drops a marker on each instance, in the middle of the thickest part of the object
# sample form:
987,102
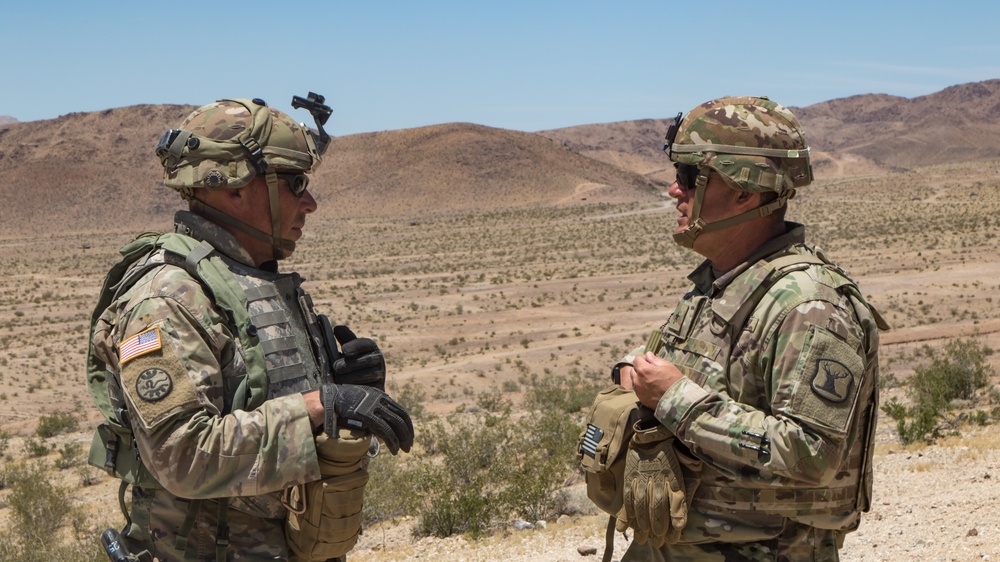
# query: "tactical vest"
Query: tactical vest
281,343
702,337
269,313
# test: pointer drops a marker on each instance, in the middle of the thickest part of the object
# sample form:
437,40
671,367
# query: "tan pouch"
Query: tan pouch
603,445
324,517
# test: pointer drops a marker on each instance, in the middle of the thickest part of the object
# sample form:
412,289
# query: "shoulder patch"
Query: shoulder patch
153,384
142,343
829,372
832,381
158,386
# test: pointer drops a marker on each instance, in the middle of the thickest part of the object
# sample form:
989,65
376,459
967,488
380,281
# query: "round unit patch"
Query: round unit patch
153,384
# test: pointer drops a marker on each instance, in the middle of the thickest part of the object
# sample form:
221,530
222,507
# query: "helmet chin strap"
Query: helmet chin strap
697,226
275,238
278,244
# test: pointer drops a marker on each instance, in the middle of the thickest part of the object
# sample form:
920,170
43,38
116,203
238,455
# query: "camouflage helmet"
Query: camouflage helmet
226,143
756,144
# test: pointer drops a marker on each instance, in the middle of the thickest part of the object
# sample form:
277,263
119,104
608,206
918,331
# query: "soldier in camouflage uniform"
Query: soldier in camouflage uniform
766,372
180,369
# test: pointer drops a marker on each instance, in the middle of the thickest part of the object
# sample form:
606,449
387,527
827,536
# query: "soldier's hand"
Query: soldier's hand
368,409
651,377
362,362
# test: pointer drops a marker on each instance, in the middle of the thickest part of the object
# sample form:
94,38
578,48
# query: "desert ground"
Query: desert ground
469,301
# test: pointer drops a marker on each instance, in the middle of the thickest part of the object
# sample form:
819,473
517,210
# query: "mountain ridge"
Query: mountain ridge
84,171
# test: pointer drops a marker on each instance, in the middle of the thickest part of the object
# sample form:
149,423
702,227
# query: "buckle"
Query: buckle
256,154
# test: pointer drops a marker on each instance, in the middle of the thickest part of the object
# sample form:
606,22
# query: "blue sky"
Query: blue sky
524,65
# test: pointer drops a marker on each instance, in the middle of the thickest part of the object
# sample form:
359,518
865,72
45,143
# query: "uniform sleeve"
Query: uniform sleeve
812,367
174,350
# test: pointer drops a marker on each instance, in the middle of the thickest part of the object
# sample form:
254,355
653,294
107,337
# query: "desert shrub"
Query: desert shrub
34,449
392,489
69,455
479,468
494,467
44,524
50,426
563,393
493,401
412,397
957,375
544,450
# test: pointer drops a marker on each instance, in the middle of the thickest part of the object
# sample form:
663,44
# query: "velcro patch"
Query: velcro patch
830,372
833,380
158,385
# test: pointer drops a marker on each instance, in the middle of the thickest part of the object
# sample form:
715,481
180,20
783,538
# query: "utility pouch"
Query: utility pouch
113,450
324,516
604,442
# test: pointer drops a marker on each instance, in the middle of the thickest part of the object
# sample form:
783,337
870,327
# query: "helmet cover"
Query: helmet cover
756,144
226,143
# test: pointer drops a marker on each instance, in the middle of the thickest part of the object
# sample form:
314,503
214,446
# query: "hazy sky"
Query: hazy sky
525,65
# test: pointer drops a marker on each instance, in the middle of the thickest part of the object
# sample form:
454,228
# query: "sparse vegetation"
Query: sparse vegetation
52,425
44,524
528,301
479,469
954,381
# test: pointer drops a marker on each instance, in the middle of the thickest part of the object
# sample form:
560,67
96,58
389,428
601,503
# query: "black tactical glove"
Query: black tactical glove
362,362
367,409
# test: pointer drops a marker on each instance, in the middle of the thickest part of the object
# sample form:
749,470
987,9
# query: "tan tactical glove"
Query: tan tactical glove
655,502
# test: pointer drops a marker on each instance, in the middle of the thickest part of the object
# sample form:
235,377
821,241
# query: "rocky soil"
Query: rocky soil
935,504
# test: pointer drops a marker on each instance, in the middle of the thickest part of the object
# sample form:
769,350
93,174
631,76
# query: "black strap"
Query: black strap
222,532
609,540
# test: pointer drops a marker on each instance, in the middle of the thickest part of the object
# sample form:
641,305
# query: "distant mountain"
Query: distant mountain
86,171
958,124
460,166
848,135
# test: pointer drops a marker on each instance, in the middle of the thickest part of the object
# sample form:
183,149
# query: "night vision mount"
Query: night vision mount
315,104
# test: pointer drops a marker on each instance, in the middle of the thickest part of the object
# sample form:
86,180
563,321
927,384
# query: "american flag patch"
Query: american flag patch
139,344
591,439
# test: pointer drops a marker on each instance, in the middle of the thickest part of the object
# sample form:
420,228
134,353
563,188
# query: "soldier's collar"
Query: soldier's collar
795,233
200,228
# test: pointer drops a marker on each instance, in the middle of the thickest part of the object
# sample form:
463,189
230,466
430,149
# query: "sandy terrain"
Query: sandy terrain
466,302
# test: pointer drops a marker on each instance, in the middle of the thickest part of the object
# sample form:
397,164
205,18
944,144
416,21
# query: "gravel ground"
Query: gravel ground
937,504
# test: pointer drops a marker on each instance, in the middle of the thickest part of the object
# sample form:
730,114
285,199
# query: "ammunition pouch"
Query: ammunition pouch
324,516
604,443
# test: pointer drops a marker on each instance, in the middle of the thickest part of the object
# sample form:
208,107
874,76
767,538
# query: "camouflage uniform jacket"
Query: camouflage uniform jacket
779,404
179,365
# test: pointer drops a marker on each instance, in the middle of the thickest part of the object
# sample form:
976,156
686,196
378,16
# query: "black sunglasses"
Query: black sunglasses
686,175
297,183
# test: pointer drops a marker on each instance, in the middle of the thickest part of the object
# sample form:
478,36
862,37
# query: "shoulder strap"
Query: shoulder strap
97,373
773,271
203,263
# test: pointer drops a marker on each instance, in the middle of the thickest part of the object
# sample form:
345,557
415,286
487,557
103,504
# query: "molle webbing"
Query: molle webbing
787,502
272,302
